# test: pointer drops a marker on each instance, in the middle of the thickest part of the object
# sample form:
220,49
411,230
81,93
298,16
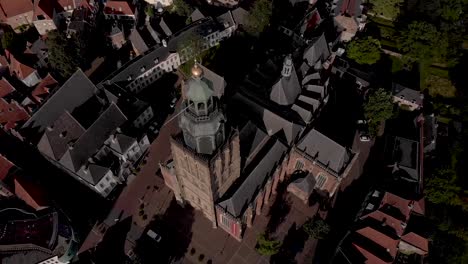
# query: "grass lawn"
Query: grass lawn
397,64
381,21
440,86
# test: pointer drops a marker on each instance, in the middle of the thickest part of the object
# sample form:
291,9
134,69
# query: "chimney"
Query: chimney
50,128
70,145
164,42
63,134
287,66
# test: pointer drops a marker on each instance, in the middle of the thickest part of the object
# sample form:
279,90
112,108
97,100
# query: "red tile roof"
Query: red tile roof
388,220
19,69
11,114
5,166
4,61
119,8
396,201
5,88
11,8
29,193
370,258
43,88
417,241
381,239
44,8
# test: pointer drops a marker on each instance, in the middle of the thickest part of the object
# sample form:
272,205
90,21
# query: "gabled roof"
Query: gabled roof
406,93
93,173
165,27
137,41
252,140
306,114
73,93
240,15
56,139
5,87
416,240
196,15
306,184
119,8
43,89
387,243
317,50
326,151
9,8
286,90
226,19
121,143
5,166
11,114
94,137
20,70
370,257
29,192
255,178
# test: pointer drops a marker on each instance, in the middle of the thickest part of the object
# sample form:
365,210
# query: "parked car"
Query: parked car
364,137
155,236
173,102
362,122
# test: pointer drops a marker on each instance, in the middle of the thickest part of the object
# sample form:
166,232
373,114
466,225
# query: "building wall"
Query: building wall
229,224
43,26
119,17
194,178
106,184
148,76
331,181
21,19
402,102
144,118
226,166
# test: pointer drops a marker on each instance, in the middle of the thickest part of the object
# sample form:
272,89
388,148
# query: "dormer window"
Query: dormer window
402,97
143,69
156,61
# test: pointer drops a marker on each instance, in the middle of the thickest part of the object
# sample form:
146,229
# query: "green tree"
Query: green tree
316,228
442,188
13,42
181,8
364,51
378,109
63,54
267,246
259,17
149,11
423,42
387,8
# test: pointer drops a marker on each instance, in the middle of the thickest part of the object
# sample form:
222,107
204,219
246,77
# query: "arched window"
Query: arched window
299,165
320,180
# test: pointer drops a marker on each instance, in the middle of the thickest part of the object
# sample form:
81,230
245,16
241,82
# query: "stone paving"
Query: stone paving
219,247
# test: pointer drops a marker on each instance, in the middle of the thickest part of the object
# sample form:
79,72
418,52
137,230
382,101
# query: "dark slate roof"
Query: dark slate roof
240,15
255,178
305,113
317,50
408,94
305,184
406,155
202,26
226,19
122,143
324,150
54,142
73,93
252,139
286,90
213,80
93,173
165,28
196,15
137,41
91,141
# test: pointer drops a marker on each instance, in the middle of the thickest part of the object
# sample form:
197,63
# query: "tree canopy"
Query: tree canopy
13,42
259,17
149,11
316,228
378,109
364,51
423,42
389,9
181,8
267,246
63,54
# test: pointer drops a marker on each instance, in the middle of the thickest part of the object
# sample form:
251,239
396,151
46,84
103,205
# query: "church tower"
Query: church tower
206,154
